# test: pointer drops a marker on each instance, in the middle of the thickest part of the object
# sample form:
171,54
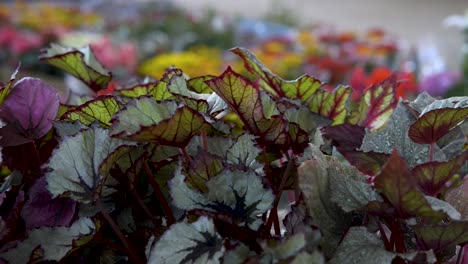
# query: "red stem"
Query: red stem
165,205
431,152
388,245
274,211
117,231
143,206
185,155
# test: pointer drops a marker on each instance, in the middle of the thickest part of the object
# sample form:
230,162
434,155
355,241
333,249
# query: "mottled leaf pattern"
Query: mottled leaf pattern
238,194
76,165
55,242
196,243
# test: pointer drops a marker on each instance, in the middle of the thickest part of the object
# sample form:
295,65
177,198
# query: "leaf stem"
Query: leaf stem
117,231
274,211
431,151
143,206
185,155
165,205
388,245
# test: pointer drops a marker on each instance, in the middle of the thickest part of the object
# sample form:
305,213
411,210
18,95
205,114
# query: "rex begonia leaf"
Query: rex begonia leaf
202,168
400,188
303,88
331,105
237,194
79,62
315,183
27,112
351,191
442,238
198,84
178,87
340,135
422,101
146,120
377,104
6,89
243,153
395,135
306,119
145,88
79,164
437,119
100,109
211,104
458,198
433,176
42,210
196,243
267,79
256,109
291,250
361,246
55,242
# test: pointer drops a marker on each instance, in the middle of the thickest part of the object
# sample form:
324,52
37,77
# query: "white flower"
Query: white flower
460,22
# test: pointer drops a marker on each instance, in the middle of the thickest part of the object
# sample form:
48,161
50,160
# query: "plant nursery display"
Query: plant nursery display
240,167
135,133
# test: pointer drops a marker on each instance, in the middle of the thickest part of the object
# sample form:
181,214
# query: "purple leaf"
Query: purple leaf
28,112
42,210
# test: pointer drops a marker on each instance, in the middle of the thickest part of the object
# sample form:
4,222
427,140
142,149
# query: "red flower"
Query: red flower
359,81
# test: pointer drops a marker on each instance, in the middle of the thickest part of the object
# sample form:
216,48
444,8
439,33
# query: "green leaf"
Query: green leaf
315,183
239,195
146,120
306,119
202,168
331,105
257,110
377,104
55,242
350,191
79,62
303,88
197,242
433,176
259,72
442,238
100,109
145,88
395,135
198,84
81,162
437,119
361,246
5,90
400,188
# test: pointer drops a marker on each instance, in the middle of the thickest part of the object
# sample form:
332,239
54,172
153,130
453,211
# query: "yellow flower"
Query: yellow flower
194,62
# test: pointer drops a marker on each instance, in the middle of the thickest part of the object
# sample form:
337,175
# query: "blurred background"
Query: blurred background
423,42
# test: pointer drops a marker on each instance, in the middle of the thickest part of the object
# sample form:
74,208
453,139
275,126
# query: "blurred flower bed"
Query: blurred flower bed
134,40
